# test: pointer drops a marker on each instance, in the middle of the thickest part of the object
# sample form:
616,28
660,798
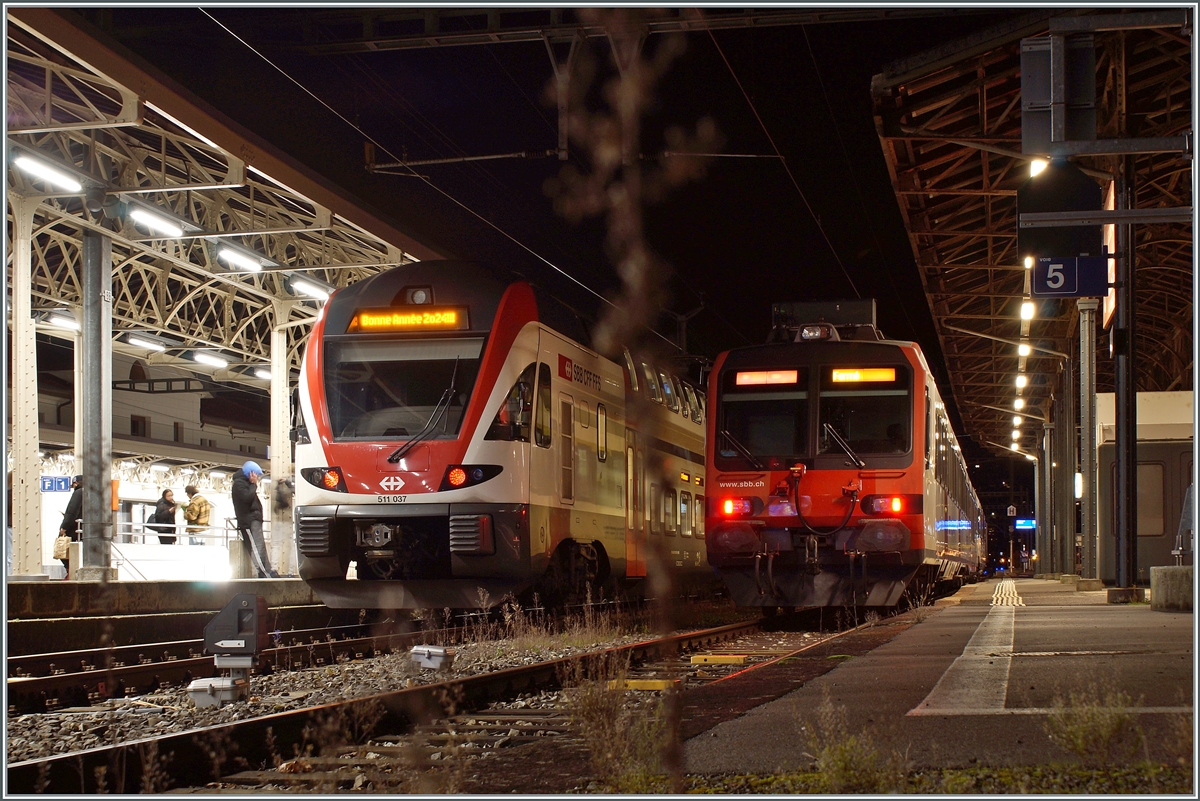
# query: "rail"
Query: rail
77,772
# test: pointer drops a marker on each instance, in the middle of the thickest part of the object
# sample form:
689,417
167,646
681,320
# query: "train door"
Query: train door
635,537
566,444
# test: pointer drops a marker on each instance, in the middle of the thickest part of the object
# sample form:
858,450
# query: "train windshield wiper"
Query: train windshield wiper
845,446
440,409
742,449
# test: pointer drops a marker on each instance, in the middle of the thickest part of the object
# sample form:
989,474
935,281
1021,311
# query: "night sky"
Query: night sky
737,240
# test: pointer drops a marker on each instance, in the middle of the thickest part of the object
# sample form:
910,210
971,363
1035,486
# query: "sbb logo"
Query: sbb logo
565,367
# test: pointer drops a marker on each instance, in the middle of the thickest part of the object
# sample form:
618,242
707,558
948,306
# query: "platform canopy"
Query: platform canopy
135,140
949,123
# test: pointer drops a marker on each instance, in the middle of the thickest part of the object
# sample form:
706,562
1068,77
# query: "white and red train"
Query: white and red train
457,444
836,478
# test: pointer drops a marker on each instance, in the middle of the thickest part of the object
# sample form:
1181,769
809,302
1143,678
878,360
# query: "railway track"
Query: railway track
254,742
46,682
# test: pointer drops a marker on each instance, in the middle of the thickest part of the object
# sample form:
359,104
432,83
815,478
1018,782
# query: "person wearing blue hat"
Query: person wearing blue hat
247,506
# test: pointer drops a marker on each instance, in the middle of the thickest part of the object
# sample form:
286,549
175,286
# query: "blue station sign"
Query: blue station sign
1074,277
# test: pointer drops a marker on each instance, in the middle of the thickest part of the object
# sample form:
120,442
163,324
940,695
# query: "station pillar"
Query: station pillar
1088,464
282,537
96,343
26,438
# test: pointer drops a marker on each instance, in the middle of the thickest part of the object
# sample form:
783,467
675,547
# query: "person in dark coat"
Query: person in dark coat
247,506
164,513
70,522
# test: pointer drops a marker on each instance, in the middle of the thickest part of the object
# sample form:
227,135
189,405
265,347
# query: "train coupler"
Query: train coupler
811,566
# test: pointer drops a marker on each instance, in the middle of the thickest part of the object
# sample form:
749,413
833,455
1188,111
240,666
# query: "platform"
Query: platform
49,599
974,683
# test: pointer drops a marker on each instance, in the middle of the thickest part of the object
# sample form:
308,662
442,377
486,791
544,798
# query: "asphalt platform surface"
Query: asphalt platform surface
974,683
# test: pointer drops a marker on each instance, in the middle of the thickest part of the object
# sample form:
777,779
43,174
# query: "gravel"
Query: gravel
171,710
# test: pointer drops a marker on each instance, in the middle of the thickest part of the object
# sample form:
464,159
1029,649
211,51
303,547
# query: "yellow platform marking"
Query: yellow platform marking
719,659
645,684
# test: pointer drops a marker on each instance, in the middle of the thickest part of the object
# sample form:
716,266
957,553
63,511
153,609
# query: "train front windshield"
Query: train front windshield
391,389
767,417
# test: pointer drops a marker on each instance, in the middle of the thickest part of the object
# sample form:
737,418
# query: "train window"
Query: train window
633,505
685,514
1150,499
693,397
652,384
585,413
685,404
668,392
515,416
655,510
566,426
542,430
700,516
761,424
873,416
631,372
671,511
601,432
639,489
928,429
390,390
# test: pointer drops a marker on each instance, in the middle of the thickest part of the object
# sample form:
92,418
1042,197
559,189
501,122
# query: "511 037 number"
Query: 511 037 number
391,498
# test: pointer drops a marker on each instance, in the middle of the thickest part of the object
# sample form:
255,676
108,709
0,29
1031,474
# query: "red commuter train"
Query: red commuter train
836,477
458,443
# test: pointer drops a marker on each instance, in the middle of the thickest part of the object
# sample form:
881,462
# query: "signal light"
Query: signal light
457,477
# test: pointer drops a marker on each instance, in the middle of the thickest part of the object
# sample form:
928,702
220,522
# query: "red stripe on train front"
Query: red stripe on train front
360,460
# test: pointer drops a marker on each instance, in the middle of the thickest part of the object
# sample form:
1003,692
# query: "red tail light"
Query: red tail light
329,478
892,504
734,507
456,477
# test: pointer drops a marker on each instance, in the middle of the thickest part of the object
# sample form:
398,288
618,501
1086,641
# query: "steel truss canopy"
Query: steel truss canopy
949,122
134,140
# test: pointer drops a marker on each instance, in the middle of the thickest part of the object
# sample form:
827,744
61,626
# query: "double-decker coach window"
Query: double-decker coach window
391,389
871,407
763,415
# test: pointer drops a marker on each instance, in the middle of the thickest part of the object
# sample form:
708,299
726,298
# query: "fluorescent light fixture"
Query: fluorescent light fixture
1037,166
1028,262
1015,446
186,471
1032,459
1019,403
215,475
1024,350
265,375
49,174
1016,435
304,286
161,468
1078,486
1027,310
210,359
155,222
148,344
63,321
128,465
1022,381
1017,420
235,258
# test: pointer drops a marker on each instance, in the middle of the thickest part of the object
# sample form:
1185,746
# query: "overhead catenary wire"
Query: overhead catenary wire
782,160
423,178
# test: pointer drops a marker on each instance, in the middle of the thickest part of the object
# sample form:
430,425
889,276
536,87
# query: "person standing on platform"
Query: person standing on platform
70,521
196,511
164,513
247,506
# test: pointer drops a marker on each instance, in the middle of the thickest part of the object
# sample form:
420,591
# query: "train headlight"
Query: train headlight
468,475
892,504
327,478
